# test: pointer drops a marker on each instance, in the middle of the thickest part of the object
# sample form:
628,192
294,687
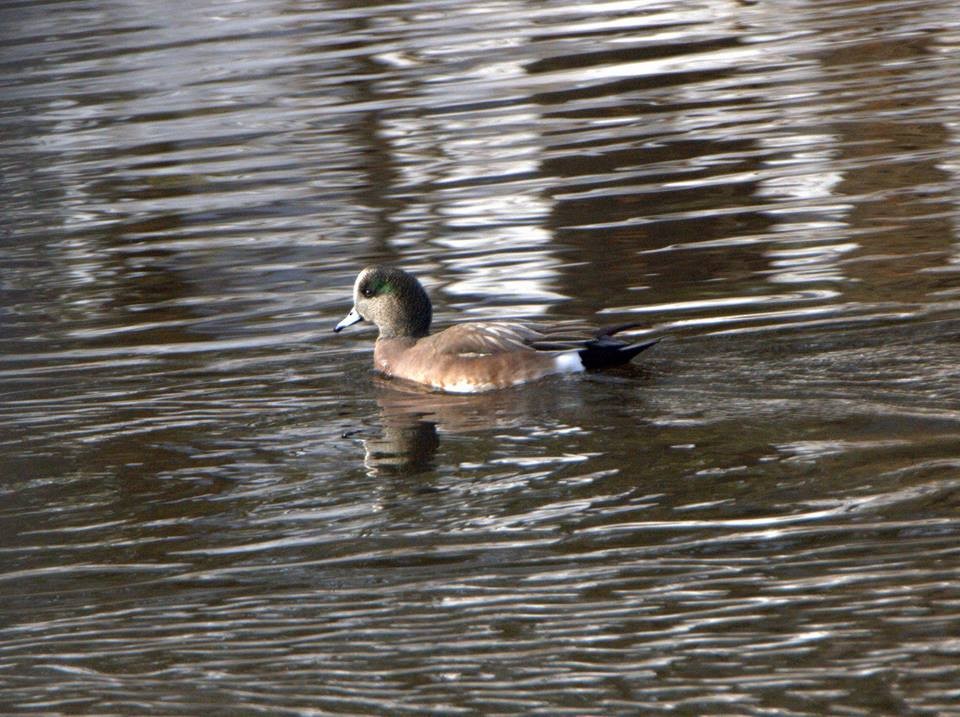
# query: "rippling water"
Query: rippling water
210,504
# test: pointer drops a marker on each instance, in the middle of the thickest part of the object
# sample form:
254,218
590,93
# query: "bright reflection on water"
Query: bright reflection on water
212,506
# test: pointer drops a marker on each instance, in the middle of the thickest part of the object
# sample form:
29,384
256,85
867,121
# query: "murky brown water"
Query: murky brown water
210,506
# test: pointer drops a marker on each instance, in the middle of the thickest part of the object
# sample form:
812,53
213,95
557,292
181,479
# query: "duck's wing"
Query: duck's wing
598,349
479,338
570,335
493,337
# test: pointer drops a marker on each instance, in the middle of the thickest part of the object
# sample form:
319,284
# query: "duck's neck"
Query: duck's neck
405,331
414,324
387,352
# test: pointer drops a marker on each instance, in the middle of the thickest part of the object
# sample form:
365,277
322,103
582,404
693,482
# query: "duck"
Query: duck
473,356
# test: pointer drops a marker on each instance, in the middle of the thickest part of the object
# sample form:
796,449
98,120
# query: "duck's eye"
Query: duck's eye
375,288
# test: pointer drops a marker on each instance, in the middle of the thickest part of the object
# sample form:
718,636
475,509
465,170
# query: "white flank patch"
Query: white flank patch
569,362
465,387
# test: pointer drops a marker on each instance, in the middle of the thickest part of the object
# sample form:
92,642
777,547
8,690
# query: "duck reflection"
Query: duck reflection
408,440
410,416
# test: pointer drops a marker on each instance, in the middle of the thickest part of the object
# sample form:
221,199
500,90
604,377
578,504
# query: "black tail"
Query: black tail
605,351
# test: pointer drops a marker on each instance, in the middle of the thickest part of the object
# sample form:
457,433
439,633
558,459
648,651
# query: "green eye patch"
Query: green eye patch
375,287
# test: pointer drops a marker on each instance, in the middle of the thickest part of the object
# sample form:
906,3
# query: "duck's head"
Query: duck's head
393,300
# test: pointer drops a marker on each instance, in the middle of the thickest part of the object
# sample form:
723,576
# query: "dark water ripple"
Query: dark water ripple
210,505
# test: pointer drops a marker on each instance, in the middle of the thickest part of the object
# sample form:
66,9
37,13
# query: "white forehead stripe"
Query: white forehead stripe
356,284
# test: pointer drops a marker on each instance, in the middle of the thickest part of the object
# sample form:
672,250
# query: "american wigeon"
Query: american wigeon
474,356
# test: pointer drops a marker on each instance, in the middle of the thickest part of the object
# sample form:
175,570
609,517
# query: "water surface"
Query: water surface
210,503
